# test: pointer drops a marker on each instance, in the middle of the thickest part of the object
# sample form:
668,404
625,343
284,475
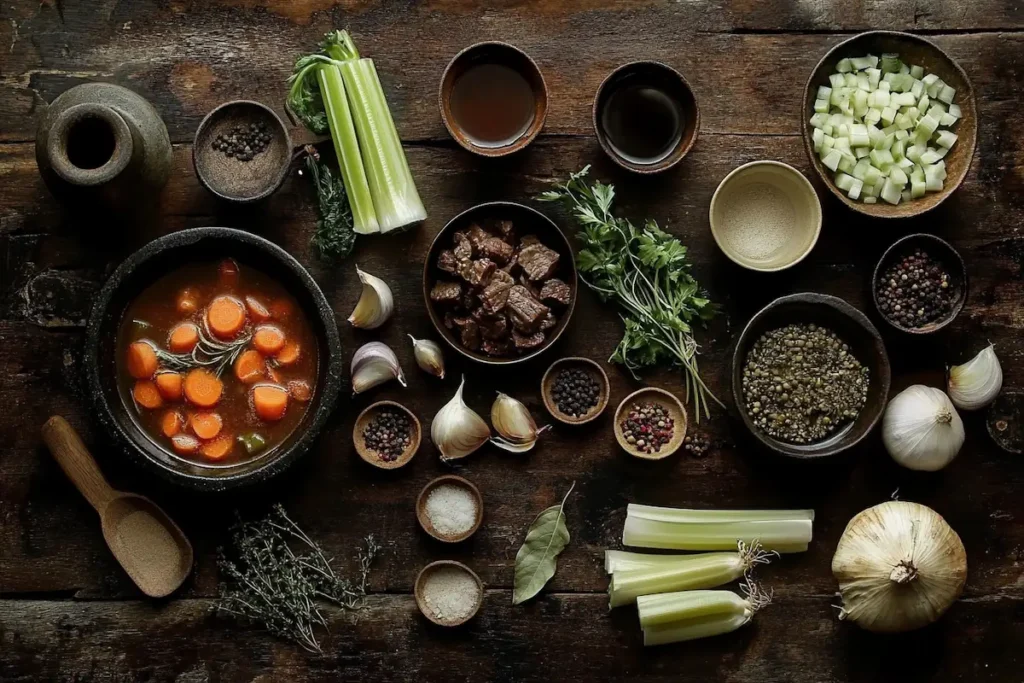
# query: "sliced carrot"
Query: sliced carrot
219,448
183,337
226,316
171,423
227,272
281,309
257,311
202,388
250,367
270,401
142,362
146,394
188,301
268,339
300,390
206,425
184,443
289,353
168,383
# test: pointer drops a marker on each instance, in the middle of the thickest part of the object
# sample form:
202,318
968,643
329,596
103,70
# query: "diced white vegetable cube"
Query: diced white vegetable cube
933,178
936,110
917,89
862,83
860,169
871,176
917,188
855,189
850,79
954,110
929,79
930,157
824,92
818,136
869,62
860,103
891,193
819,120
947,94
861,152
846,164
832,159
905,195
898,148
837,81
924,102
821,106
844,65
903,99
874,115
888,115
881,159
844,182
927,124
917,71
885,86
915,151
946,139
898,177
935,88
947,120
874,76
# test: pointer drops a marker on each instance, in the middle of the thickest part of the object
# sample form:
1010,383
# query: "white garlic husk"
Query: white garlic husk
518,431
372,364
428,356
456,430
921,429
375,303
899,566
977,382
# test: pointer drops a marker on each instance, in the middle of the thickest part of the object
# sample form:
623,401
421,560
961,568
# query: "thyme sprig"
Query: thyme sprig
209,352
277,577
334,238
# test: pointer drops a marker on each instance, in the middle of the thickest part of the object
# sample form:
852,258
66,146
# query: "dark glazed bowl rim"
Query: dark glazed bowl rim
428,267
947,250
322,320
836,308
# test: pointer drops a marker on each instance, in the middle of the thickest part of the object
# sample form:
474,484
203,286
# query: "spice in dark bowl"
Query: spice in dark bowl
920,284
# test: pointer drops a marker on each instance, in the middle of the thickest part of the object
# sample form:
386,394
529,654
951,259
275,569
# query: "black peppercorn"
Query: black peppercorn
575,391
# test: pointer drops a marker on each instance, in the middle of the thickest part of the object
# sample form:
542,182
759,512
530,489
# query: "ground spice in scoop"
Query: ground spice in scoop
647,427
388,434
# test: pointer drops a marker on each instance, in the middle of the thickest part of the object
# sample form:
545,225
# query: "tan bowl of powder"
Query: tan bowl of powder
448,593
765,216
450,508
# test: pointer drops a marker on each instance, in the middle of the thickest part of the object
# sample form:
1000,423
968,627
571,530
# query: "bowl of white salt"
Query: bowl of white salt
765,216
448,593
450,508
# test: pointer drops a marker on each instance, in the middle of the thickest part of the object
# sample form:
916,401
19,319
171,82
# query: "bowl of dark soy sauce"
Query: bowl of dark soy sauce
646,116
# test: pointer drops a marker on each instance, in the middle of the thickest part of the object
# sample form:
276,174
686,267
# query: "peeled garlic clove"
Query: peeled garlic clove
921,429
375,303
428,356
372,364
977,382
512,420
456,430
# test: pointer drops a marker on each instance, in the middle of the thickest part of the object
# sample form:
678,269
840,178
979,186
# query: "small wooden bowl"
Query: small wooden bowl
370,456
912,50
548,382
942,251
666,400
421,507
421,601
1004,421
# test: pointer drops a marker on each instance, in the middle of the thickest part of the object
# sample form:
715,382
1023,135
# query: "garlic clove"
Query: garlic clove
921,429
375,303
457,430
428,356
977,382
372,364
515,425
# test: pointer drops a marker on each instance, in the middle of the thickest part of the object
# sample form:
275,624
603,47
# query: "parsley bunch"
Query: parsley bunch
334,238
645,271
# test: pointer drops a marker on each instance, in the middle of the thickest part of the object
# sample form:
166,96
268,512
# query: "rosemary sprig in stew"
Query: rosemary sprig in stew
210,353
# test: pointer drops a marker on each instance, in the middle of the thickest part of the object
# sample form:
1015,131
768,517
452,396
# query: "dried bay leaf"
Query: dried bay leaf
537,560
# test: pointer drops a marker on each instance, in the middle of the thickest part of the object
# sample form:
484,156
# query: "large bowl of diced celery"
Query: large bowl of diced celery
890,123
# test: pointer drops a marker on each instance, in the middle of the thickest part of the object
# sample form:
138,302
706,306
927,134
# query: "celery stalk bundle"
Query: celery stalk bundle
784,531
688,615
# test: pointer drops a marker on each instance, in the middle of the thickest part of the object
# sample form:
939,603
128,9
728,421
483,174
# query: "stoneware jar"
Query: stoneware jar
102,143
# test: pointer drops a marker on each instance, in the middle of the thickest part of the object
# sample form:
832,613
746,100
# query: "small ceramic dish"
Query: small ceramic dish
765,216
229,178
919,52
424,519
368,454
1005,421
424,605
672,405
941,251
501,54
548,382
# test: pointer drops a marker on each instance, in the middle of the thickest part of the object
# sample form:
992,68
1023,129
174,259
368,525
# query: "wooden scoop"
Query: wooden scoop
147,543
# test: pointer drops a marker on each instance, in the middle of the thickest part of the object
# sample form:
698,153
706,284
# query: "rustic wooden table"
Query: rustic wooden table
67,612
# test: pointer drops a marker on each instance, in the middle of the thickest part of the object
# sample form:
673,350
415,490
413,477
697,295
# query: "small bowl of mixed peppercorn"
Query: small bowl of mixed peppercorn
387,435
575,390
650,424
920,284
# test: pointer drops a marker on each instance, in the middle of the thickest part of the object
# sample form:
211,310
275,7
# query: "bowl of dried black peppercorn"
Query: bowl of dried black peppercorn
920,284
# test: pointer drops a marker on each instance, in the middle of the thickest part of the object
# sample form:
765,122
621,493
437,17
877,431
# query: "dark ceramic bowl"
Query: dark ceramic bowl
912,50
941,251
660,77
865,344
527,221
157,259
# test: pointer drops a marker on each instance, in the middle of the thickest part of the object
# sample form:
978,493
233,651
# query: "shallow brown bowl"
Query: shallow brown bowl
421,507
912,50
421,600
241,181
1005,421
527,221
865,344
370,456
665,79
666,400
942,251
506,55
548,382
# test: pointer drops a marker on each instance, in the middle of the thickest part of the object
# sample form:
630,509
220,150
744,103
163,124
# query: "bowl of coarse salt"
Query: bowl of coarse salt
450,508
448,593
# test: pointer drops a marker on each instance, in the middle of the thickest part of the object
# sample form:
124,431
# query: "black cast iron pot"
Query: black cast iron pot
149,264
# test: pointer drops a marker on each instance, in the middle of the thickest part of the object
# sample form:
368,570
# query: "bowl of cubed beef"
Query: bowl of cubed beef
500,282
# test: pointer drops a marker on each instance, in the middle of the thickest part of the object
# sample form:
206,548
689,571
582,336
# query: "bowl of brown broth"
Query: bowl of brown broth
493,99
646,116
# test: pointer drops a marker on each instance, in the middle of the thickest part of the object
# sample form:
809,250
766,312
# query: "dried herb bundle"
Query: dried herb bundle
271,583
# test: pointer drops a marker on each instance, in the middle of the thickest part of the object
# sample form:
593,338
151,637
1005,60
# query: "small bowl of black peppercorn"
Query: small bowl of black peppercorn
575,390
920,284
387,435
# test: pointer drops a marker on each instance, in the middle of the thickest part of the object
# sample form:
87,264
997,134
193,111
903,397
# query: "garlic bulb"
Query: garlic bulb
977,382
375,303
899,567
512,420
921,429
428,356
456,430
372,364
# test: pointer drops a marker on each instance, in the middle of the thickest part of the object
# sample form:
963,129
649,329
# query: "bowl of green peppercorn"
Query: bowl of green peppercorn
810,376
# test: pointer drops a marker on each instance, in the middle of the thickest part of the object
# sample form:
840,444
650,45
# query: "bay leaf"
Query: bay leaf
537,559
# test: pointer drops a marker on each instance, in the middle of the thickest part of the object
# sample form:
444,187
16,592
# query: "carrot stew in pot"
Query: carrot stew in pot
216,362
